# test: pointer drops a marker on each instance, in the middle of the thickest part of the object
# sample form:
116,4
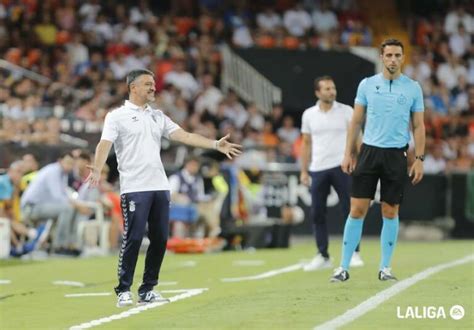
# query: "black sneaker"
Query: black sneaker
386,275
340,275
150,297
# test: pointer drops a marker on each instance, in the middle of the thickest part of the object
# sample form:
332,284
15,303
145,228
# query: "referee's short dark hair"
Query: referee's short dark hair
134,74
391,42
319,79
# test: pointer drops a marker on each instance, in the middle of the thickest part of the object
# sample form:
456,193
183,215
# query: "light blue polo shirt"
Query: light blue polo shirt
388,105
6,187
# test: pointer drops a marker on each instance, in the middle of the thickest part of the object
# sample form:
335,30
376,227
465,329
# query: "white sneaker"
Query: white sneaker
125,299
318,262
356,260
150,297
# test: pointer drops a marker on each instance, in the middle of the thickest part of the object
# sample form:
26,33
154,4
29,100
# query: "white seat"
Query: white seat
98,228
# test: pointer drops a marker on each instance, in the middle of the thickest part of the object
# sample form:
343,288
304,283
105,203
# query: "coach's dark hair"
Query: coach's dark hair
391,42
317,80
134,74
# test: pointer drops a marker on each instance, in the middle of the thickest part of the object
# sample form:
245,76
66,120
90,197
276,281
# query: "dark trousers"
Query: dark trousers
321,182
140,208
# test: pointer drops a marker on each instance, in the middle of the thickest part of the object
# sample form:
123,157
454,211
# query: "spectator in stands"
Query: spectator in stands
448,73
288,132
208,96
187,190
297,21
47,197
255,119
82,159
31,166
434,162
269,20
456,17
460,42
418,68
324,19
269,138
9,190
182,80
235,111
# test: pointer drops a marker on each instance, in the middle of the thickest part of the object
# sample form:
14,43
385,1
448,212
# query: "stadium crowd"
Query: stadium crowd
85,49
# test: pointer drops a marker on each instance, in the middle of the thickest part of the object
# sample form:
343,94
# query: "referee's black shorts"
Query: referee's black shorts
387,164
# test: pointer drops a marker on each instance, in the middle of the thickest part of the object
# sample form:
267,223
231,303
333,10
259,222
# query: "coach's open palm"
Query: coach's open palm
94,176
416,171
227,148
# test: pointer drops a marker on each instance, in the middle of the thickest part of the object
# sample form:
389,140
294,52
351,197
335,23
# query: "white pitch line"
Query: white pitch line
69,283
167,283
92,294
248,263
136,310
5,281
270,273
382,296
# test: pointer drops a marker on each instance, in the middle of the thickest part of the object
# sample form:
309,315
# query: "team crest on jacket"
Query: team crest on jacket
131,206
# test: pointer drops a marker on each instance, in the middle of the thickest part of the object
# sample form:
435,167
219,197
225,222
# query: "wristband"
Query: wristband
216,143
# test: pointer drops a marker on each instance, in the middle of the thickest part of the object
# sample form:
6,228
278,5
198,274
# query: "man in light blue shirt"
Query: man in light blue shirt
46,198
386,101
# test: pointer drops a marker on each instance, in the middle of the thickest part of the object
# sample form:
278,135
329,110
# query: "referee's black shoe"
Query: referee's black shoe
340,275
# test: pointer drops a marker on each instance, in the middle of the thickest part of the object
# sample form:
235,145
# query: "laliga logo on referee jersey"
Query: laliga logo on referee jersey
430,312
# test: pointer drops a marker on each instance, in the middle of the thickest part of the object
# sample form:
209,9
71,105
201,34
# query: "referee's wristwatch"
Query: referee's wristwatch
420,157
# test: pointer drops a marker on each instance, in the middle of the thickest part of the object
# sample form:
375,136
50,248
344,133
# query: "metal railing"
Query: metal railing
247,82
24,72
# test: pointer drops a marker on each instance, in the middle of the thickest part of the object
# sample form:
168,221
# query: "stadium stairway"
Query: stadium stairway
385,20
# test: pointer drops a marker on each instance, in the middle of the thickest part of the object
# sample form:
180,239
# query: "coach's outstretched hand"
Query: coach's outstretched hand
94,176
227,148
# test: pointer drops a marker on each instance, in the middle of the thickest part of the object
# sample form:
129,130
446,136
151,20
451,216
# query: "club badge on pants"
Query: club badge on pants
131,206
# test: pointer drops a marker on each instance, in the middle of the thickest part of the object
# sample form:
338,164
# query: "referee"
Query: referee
387,101
135,129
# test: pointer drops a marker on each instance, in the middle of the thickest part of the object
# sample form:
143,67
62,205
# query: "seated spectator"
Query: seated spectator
324,20
9,189
47,198
456,17
187,190
418,69
460,42
356,34
208,96
288,132
268,20
192,204
216,191
269,138
182,80
434,162
297,21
